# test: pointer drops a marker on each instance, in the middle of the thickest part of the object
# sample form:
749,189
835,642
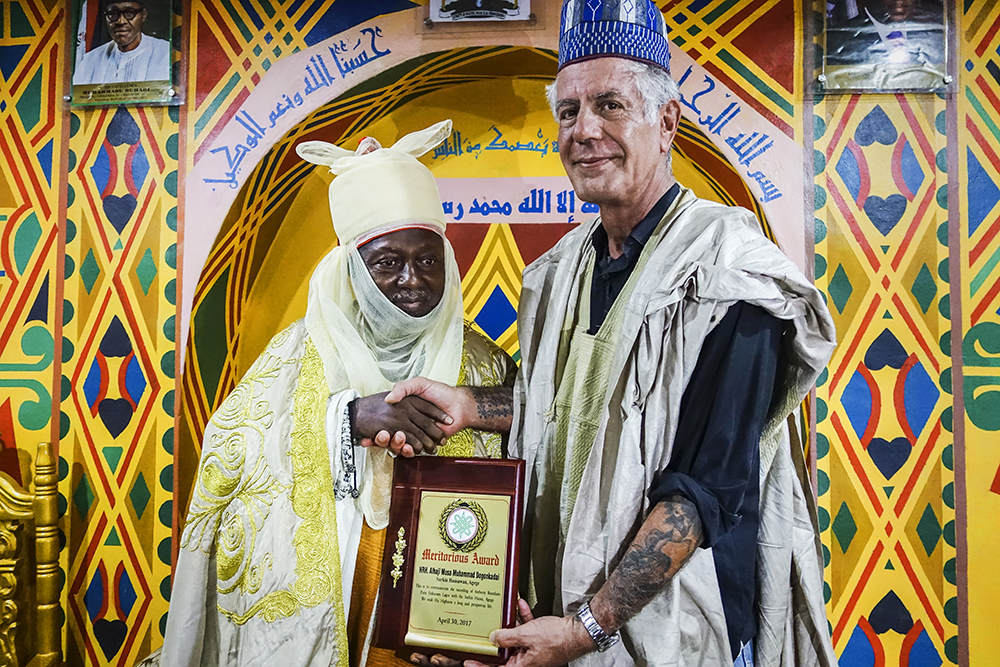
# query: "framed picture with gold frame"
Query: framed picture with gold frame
123,52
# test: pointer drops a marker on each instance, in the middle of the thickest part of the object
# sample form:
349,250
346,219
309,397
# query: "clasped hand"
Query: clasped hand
409,426
414,418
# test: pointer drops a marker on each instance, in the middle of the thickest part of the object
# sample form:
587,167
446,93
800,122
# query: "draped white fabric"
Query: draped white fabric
365,341
705,258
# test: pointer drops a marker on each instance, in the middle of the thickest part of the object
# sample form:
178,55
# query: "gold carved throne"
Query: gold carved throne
30,617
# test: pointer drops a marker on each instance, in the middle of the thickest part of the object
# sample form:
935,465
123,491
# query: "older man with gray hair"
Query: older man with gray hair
665,348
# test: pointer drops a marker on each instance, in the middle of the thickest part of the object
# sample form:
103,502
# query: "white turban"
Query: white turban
365,341
381,187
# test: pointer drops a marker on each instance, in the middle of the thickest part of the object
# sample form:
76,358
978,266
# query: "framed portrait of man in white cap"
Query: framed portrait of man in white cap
885,45
123,52
480,10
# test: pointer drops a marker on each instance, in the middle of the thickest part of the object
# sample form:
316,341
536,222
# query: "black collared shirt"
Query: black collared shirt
611,273
716,460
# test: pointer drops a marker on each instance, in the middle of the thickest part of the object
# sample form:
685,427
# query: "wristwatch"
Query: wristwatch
603,640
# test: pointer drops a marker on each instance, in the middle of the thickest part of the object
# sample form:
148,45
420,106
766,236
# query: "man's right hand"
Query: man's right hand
416,424
458,403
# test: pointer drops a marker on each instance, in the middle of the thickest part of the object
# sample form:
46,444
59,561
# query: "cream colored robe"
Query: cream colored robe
705,257
267,554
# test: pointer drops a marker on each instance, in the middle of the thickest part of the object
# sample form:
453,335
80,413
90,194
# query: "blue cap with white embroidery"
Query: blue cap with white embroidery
631,29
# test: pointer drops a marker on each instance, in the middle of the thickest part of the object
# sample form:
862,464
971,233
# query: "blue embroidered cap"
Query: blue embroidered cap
625,28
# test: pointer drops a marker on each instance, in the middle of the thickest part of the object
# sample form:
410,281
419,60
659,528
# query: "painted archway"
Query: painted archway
255,279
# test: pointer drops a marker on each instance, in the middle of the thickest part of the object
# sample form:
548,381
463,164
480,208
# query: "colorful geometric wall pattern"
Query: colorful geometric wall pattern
118,380
976,339
907,234
727,38
30,185
32,263
906,469
885,480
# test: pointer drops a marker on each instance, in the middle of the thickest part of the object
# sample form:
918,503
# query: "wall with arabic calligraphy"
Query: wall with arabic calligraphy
494,167
97,302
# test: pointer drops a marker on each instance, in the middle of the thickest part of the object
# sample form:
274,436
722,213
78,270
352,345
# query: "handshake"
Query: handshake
418,415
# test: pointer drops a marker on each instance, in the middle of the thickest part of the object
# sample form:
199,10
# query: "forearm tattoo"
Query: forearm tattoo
495,407
666,541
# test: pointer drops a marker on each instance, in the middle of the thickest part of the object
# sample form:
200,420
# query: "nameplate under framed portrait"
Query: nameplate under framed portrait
450,564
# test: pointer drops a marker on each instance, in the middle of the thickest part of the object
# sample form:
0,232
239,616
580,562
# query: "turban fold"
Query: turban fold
379,187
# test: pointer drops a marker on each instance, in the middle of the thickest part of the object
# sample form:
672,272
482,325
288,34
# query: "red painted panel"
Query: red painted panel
770,43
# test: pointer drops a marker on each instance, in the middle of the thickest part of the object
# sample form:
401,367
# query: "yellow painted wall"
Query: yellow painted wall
90,303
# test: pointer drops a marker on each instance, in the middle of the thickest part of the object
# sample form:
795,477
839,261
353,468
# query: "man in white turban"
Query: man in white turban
281,552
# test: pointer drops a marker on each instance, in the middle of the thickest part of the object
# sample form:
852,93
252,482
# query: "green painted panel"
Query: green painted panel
20,26
29,103
26,239
209,331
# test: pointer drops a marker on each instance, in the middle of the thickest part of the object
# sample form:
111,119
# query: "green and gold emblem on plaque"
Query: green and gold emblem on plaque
463,525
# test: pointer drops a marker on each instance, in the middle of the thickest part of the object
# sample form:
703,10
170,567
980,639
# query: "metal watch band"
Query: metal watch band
603,640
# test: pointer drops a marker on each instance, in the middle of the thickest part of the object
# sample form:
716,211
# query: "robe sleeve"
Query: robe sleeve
723,411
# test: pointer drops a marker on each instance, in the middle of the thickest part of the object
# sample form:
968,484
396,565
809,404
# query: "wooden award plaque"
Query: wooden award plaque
450,564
